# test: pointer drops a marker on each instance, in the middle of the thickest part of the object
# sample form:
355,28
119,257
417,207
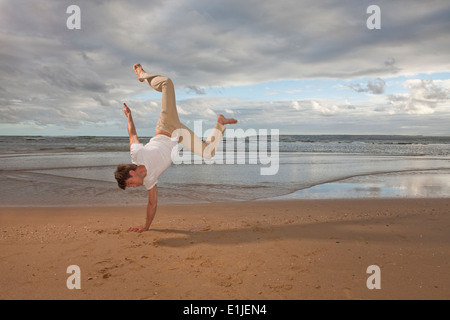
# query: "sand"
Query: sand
310,249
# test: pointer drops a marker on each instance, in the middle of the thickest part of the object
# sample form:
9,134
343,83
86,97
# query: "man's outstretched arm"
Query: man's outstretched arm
151,210
130,125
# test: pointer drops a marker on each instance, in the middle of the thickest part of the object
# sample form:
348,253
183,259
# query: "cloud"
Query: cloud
424,97
182,111
373,86
325,110
196,90
376,86
296,105
55,76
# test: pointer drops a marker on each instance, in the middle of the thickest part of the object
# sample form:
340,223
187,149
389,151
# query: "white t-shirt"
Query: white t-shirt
156,156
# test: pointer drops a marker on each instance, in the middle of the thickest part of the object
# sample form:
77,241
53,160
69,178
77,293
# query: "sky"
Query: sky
299,66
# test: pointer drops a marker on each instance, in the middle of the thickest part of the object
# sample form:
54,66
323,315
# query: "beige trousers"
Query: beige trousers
170,123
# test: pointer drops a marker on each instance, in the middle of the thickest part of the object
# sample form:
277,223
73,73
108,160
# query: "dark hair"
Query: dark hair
123,173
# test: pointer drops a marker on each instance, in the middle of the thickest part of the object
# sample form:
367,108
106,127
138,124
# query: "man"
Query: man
151,160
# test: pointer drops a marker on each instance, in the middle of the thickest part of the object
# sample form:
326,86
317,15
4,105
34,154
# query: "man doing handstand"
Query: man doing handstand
151,160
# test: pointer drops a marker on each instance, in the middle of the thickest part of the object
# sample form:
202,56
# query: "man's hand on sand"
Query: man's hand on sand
138,229
126,110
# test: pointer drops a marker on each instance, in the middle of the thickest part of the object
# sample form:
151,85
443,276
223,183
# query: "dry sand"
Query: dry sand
250,250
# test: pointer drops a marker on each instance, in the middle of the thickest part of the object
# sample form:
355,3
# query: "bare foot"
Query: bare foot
222,120
138,70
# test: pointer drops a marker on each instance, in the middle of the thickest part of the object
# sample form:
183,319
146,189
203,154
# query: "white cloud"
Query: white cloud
182,111
296,105
210,112
325,110
424,97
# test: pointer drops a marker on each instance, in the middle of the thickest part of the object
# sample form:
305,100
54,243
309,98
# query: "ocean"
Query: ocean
79,171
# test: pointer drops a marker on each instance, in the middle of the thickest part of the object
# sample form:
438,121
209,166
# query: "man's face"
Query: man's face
134,181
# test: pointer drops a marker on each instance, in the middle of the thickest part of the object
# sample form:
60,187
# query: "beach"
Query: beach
316,165
281,250
335,207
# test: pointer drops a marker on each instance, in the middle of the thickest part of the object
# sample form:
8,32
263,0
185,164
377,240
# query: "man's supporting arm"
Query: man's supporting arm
130,125
151,210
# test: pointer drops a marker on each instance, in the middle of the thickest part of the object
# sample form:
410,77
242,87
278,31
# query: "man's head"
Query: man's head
127,176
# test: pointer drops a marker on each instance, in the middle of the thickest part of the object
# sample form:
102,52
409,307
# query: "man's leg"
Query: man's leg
168,119
170,123
205,149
